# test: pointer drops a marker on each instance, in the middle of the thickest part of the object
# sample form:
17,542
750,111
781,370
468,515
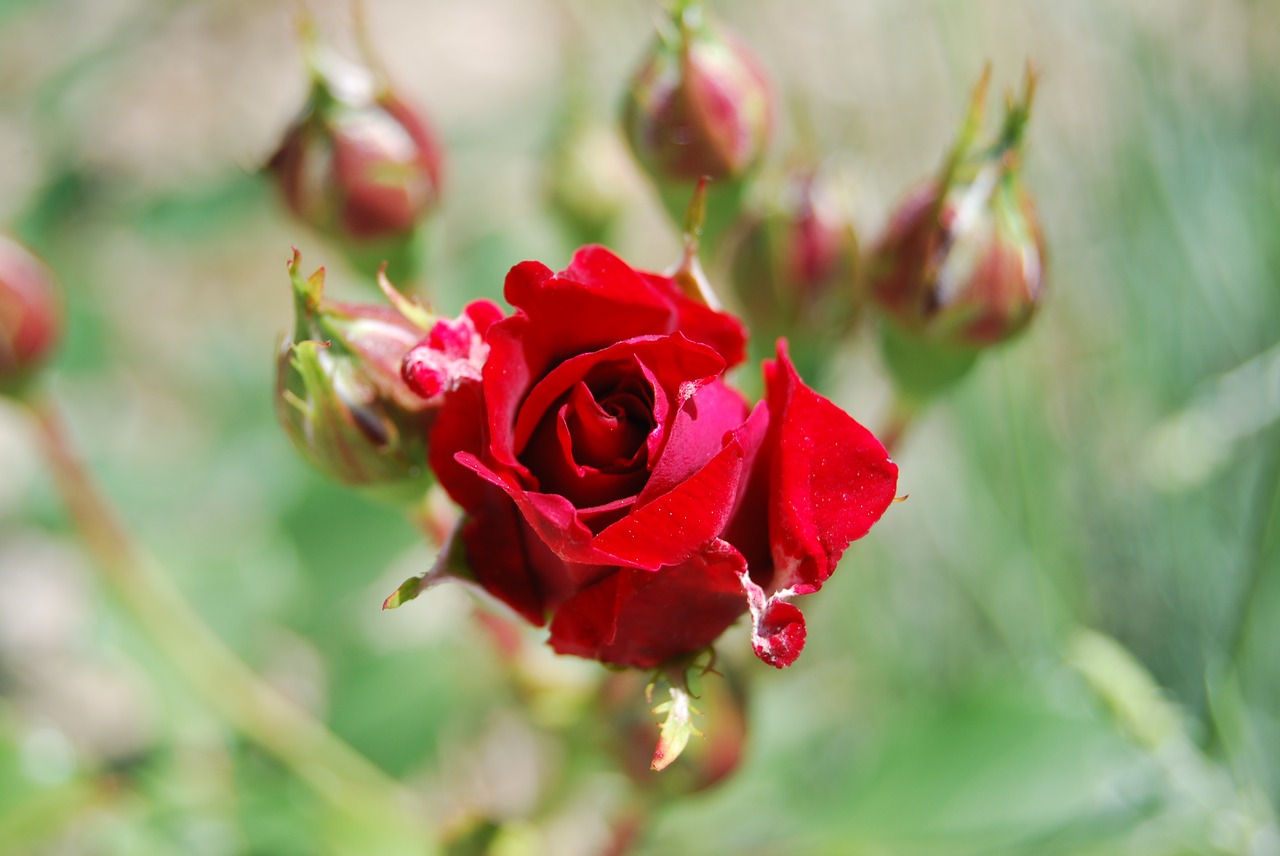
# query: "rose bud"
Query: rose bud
616,488
699,105
582,187
339,392
30,315
793,265
360,163
961,263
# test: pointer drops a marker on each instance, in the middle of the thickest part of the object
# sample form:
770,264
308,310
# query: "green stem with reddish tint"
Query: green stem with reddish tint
354,788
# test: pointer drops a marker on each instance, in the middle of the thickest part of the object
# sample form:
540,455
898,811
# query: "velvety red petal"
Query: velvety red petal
668,530
506,378
830,480
459,427
695,436
553,518
673,527
642,619
779,637
610,434
556,579
497,557
597,301
483,314
678,365
699,322
777,627
557,453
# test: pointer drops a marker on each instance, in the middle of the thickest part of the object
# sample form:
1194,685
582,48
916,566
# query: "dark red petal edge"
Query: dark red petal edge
830,480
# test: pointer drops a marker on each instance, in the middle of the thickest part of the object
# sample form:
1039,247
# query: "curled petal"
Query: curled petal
600,299
777,627
452,352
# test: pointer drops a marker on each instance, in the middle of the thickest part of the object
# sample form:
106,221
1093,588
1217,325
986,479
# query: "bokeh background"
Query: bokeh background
1063,642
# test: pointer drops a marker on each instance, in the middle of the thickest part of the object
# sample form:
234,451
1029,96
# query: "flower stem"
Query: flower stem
688,272
625,833
902,414
348,782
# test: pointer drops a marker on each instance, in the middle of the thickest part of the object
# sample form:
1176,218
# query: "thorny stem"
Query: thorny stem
346,780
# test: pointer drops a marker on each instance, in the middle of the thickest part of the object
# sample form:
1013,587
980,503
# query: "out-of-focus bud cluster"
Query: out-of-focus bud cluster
793,265
699,105
30,315
339,391
960,265
360,164
583,186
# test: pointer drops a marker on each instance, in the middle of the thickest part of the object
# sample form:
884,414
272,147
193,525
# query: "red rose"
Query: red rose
614,486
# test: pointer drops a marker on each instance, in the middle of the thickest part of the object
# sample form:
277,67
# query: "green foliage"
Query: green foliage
1114,468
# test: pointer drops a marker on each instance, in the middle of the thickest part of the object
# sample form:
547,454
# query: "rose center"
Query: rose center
607,432
591,446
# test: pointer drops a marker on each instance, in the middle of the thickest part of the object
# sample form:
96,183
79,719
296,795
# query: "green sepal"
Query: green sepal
402,257
450,564
677,727
330,410
922,368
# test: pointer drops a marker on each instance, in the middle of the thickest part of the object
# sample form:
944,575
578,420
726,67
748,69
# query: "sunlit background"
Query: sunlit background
1064,641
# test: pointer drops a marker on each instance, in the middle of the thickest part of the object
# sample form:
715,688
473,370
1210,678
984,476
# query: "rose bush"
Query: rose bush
616,488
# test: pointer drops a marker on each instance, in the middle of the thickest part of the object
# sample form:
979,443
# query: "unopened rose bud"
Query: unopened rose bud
699,105
30,315
583,186
339,392
793,266
360,163
962,260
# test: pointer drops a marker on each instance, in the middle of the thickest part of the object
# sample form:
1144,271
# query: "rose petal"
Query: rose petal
506,379
459,427
668,530
552,517
495,552
674,526
452,353
483,314
553,447
610,435
599,299
703,324
829,480
697,434
641,619
777,627
551,577
677,365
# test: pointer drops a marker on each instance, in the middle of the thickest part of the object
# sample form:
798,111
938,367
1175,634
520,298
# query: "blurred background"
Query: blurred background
1063,642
